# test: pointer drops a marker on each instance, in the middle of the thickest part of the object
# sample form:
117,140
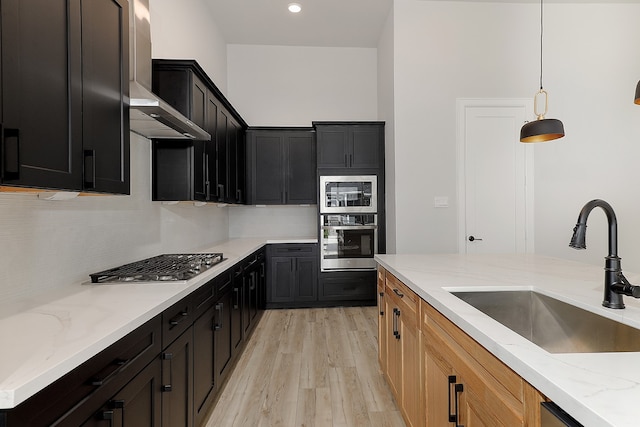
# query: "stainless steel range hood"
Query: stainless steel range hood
151,116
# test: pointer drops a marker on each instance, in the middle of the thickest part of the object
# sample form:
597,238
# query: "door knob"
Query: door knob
471,238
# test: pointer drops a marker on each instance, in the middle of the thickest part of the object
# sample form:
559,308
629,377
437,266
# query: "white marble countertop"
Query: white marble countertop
598,389
48,335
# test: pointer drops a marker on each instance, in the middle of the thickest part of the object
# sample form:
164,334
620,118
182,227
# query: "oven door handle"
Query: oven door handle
349,227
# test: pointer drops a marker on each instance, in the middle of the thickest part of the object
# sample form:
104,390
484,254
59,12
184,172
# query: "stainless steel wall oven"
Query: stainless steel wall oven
348,241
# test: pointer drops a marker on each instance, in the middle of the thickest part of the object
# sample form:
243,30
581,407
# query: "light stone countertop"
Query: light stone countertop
598,389
49,335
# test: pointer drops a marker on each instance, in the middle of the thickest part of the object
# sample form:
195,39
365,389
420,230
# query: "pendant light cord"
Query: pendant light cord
541,32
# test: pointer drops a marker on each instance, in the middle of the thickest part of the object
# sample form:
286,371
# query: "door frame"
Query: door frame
462,104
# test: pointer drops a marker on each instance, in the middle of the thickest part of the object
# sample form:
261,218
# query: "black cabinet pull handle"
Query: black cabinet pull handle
236,303
346,163
397,292
396,316
239,196
381,299
459,388
89,169
167,387
205,178
175,320
220,308
10,153
350,160
109,372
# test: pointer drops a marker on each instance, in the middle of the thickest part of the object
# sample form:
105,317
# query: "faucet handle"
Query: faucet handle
624,287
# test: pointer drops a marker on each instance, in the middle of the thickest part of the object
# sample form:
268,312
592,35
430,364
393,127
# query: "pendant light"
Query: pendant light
542,129
637,99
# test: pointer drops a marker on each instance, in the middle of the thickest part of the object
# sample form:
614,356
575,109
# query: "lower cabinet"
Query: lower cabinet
137,404
482,390
348,287
177,381
438,374
403,371
293,277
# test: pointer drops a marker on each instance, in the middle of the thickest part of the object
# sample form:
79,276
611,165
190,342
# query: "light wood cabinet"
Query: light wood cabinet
439,375
382,325
467,385
402,334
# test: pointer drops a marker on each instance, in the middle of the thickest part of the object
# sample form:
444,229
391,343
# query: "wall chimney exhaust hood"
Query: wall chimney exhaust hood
150,116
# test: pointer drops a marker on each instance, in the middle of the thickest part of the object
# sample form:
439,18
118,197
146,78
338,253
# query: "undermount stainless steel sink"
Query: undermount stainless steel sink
556,326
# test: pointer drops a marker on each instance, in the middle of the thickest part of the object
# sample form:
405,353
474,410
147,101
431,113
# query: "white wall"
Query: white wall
596,67
386,104
293,86
186,29
449,50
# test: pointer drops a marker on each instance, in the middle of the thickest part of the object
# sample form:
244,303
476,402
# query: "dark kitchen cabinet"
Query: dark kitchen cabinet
198,170
177,381
293,274
348,286
64,111
222,327
281,166
137,404
350,145
237,303
254,284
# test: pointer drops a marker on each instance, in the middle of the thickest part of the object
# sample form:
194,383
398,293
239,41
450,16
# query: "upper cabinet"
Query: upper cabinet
198,170
282,166
350,145
64,110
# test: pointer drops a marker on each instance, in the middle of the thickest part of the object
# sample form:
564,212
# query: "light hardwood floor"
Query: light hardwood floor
309,367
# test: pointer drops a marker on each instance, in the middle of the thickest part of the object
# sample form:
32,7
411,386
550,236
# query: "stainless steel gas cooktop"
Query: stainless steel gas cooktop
161,268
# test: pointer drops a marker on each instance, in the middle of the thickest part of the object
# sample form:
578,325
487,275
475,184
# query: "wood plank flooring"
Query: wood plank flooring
309,367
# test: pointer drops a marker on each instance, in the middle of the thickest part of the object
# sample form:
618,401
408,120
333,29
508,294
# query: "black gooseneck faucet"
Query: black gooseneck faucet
615,284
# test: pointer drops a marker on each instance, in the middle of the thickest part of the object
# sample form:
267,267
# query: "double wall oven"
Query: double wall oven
348,222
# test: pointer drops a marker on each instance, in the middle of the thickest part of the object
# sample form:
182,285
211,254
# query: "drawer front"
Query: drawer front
176,319
203,298
293,249
348,287
403,297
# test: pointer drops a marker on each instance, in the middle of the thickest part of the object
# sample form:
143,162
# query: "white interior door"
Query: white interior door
495,177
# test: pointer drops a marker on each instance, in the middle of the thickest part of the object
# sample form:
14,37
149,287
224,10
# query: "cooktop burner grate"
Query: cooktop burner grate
161,268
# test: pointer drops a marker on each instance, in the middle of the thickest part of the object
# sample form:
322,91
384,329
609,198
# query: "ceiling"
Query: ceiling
330,23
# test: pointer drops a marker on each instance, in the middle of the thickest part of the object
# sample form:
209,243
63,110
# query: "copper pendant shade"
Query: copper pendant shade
542,129
637,98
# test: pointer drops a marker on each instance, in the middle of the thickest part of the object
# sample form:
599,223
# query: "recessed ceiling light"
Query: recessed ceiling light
295,7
